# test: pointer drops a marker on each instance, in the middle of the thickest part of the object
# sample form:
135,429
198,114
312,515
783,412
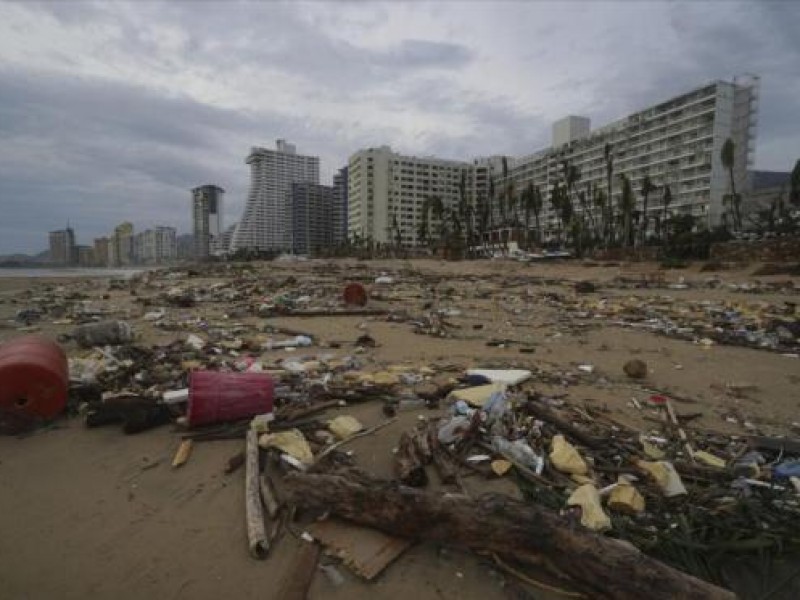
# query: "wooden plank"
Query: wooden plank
297,578
367,552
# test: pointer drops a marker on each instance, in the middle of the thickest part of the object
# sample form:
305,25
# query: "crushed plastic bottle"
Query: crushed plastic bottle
519,451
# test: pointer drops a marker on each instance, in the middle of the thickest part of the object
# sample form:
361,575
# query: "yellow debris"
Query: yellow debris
592,514
292,442
651,450
664,475
345,426
709,459
626,499
565,457
500,467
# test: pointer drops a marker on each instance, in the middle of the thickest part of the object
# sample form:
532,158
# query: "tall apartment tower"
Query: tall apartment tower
339,215
312,207
156,246
387,192
677,143
266,223
62,247
121,246
206,218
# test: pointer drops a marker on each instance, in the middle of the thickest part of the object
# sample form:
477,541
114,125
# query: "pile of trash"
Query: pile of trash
692,498
757,325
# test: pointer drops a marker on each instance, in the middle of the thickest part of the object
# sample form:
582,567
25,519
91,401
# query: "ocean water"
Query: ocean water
15,272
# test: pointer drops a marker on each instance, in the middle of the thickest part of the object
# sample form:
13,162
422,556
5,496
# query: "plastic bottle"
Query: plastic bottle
519,451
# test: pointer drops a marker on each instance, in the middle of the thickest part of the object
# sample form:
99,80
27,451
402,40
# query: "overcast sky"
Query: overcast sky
113,111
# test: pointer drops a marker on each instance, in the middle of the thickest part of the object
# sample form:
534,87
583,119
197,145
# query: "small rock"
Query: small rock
585,287
635,369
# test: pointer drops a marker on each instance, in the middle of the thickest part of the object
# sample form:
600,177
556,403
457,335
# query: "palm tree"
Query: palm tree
667,199
465,211
647,187
504,200
794,184
555,203
599,202
536,205
526,199
728,155
609,216
397,237
626,205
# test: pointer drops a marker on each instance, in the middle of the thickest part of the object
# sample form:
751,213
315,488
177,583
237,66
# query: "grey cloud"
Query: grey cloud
425,54
96,153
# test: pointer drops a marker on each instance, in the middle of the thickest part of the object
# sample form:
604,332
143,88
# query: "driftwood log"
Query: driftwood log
598,566
407,463
256,534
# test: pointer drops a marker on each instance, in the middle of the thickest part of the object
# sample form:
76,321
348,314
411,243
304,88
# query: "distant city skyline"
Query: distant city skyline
101,125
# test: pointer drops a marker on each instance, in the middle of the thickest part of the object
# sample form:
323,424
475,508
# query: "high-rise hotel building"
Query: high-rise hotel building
677,142
267,220
385,188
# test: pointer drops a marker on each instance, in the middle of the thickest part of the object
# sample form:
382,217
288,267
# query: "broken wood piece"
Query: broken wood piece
407,464
297,578
674,420
599,566
268,495
183,453
365,551
256,533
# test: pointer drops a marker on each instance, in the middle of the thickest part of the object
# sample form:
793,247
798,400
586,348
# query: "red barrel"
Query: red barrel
34,379
355,294
216,397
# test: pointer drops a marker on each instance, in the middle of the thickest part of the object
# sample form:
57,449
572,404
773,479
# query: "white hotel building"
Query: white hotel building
384,185
677,142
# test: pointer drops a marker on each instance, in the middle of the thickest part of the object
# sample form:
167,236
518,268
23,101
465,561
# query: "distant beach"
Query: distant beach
18,272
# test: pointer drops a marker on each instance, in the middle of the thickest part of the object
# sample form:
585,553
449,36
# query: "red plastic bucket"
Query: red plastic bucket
34,380
355,294
216,397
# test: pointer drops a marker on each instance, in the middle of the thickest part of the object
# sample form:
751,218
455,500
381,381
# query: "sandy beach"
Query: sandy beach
94,513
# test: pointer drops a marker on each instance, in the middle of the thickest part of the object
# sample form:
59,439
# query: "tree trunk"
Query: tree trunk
599,566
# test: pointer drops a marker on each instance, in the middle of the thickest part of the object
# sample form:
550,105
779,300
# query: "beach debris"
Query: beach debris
104,333
182,454
291,442
363,550
566,458
592,514
635,369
